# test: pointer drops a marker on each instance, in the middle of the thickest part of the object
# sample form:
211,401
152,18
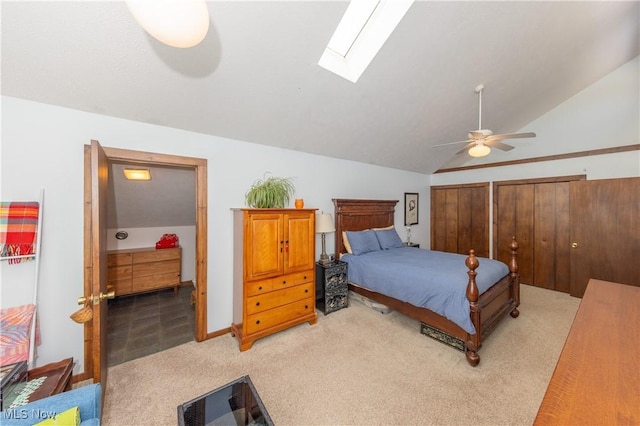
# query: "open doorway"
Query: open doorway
152,159
153,309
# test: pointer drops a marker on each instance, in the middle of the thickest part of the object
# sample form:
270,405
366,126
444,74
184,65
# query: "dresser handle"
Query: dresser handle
284,282
260,288
306,306
305,277
306,290
258,322
257,303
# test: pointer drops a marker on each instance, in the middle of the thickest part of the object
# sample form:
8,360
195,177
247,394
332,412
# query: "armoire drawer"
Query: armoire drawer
273,317
277,298
259,287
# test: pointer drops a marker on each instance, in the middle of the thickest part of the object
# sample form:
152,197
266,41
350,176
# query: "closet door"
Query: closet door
460,218
605,232
537,213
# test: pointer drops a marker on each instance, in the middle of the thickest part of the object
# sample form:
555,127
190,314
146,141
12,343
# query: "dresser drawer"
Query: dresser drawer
254,288
153,268
117,273
118,259
259,287
273,317
150,282
292,279
156,255
122,287
277,298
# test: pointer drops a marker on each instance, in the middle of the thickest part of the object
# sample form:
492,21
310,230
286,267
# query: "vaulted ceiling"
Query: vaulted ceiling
255,77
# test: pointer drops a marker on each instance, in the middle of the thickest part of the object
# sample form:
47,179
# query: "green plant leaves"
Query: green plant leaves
270,192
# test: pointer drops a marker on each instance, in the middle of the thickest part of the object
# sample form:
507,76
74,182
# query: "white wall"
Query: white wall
42,147
147,237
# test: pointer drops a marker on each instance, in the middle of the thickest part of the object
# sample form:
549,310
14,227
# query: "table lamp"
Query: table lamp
324,224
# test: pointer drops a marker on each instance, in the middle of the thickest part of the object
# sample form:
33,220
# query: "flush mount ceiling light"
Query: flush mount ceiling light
364,28
137,174
178,23
479,150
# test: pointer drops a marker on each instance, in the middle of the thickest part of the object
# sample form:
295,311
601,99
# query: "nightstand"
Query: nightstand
332,291
416,245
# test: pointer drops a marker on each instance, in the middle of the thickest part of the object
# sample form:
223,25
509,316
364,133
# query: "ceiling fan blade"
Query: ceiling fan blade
511,136
466,147
499,145
451,143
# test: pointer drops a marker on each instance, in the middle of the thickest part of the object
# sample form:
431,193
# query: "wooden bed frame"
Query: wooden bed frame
487,309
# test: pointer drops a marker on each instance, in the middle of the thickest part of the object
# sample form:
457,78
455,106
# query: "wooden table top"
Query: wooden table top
597,378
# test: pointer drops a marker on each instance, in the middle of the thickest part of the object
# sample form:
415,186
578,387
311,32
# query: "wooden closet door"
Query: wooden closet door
605,232
551,236
514,213
460,218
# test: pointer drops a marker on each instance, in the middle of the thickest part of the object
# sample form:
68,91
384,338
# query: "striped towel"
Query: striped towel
15,331
18,228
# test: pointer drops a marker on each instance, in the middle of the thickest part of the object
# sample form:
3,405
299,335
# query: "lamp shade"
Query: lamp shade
479,150
178,23
324,223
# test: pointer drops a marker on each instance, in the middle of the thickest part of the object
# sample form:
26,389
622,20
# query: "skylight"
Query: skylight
364,28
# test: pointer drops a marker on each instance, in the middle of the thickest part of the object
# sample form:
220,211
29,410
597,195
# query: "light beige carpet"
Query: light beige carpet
359,367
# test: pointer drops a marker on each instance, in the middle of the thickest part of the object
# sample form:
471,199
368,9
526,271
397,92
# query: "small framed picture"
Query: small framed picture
410,208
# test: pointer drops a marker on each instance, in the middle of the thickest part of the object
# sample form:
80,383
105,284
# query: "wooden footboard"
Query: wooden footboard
486,310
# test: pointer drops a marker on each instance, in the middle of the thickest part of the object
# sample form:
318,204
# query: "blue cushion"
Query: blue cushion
362,242
88,398
389,239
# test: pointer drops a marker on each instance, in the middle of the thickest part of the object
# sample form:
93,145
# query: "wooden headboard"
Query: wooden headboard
357,215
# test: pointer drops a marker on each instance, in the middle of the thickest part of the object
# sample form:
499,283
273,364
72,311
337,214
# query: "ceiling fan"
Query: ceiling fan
481,140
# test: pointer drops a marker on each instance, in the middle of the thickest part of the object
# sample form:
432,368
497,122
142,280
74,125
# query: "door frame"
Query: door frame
148,158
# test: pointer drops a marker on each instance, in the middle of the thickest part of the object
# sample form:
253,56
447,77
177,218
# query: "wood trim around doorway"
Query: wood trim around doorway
200,167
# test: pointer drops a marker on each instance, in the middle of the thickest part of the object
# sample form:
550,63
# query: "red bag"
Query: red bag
167,241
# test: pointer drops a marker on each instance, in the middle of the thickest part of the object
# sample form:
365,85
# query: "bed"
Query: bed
487,305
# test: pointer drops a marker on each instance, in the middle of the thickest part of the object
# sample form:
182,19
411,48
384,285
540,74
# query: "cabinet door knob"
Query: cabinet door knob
574,245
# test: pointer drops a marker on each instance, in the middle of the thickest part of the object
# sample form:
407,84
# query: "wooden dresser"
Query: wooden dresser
274,272
597,378
143,269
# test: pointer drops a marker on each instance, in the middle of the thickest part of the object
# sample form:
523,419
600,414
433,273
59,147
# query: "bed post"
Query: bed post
515,277
473,340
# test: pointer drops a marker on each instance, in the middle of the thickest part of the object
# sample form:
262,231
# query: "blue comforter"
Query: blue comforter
424,278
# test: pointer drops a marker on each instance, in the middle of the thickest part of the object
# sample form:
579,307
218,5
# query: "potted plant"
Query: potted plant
270,192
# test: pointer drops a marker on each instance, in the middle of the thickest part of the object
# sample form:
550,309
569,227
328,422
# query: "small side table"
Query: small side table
57,380
332,291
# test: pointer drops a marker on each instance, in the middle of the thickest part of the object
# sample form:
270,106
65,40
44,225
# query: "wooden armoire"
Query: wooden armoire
274,271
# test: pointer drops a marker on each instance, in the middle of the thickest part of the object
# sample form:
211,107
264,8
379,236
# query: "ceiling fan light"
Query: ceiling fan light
177,23
479,150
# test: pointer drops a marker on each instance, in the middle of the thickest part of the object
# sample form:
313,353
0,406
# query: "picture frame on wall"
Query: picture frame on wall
410,208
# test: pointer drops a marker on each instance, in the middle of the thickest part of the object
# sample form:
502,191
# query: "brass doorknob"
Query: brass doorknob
574,245
97,299
108,295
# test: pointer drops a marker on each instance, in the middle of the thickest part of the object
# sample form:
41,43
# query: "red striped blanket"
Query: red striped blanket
18,228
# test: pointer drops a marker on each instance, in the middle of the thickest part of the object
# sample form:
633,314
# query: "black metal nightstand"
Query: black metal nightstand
416,245
332,291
